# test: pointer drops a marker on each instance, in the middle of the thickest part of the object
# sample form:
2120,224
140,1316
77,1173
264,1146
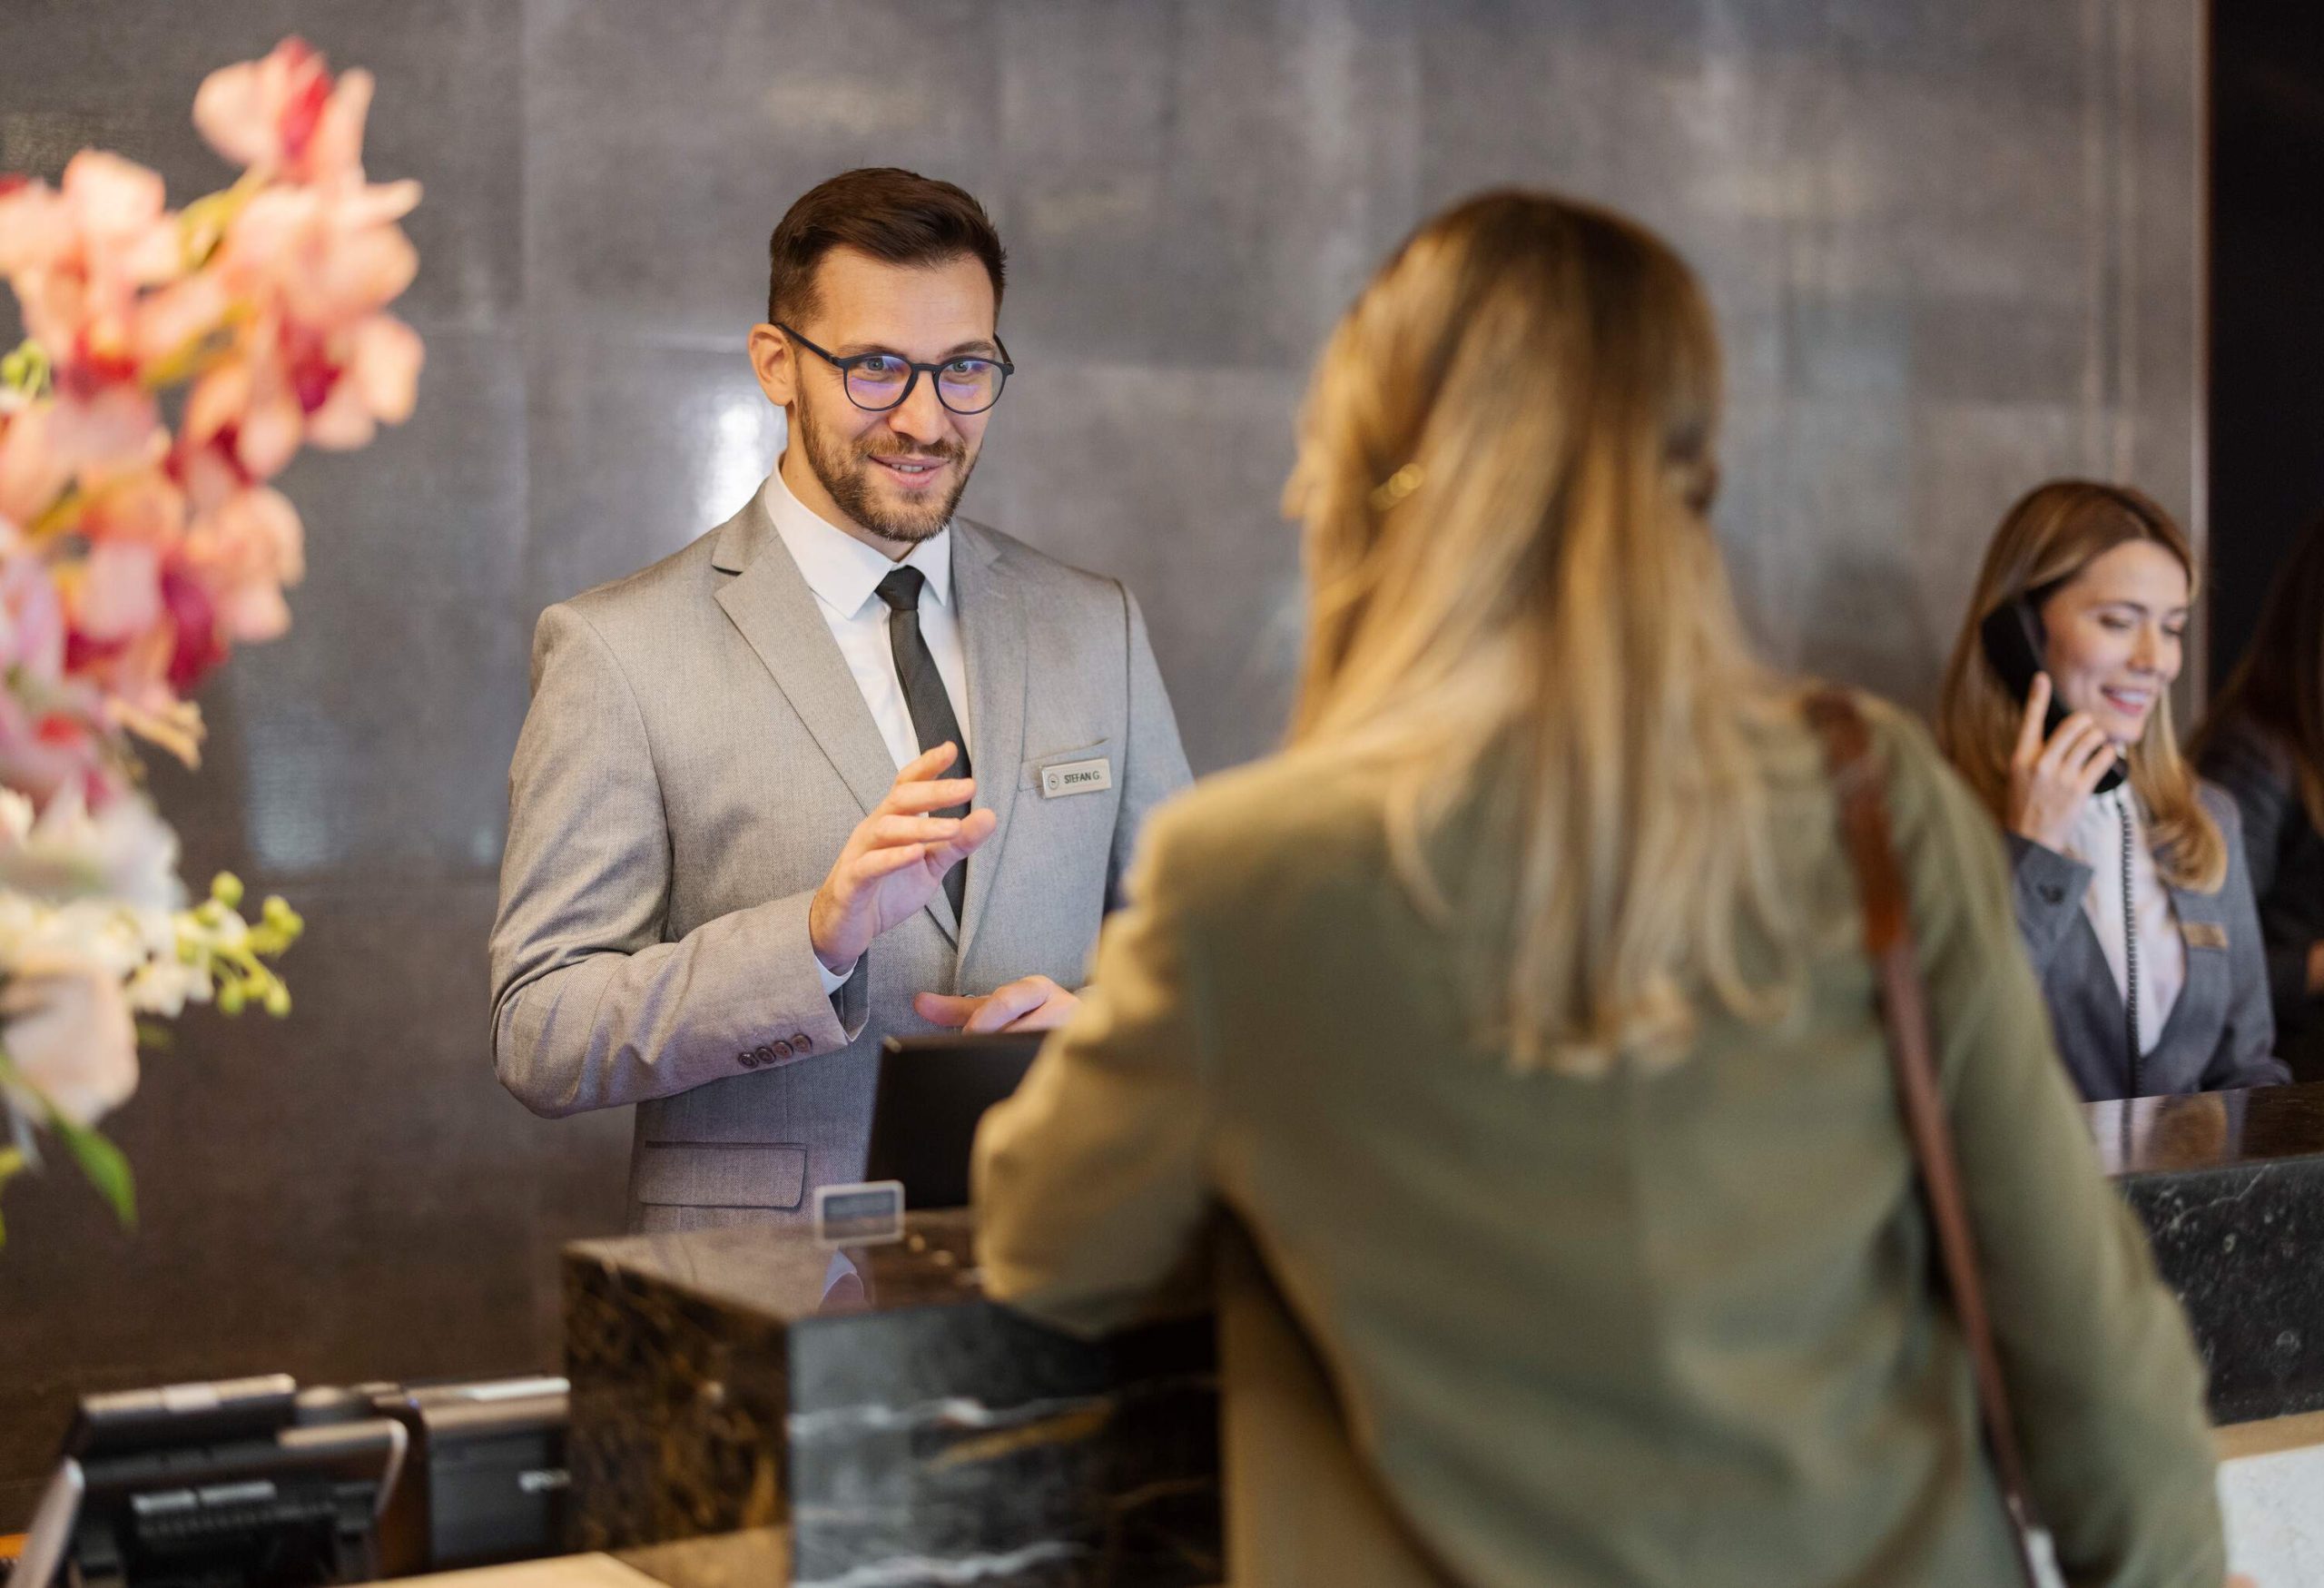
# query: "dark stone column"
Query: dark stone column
881,1408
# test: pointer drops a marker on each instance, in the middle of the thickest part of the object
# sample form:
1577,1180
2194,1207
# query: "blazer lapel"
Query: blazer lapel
768,600
992,635
2202,1008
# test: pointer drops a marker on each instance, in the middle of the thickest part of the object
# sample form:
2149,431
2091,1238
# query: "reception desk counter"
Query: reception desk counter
904,1430
2231,1189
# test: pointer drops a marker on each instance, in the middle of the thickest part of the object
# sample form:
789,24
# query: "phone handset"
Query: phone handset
2015,641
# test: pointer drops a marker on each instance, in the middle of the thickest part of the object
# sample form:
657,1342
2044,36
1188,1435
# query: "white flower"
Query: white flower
165,986
68,1034
126,853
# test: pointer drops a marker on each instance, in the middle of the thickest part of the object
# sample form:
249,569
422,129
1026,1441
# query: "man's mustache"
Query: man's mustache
948,452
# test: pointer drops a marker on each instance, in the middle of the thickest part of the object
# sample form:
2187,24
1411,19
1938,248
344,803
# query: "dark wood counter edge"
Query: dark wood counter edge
2208,1132
936,1240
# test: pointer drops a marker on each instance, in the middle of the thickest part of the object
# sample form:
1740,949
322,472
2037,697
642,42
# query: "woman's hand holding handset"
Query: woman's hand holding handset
2049,781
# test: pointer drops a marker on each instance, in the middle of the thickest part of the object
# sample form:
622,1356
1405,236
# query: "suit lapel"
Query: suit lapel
992,636
2207,988
768,600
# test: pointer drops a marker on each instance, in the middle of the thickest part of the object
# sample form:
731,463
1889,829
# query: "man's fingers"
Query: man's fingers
2029,726
966,840
1010,1003
874,863
1053,1012
928,764
943,1008
915,799
892,829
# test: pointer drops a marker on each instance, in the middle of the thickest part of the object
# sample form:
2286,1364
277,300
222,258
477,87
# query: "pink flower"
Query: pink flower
328,253
33,470
80,258
197,646
55,737
282,116
242,554
68,1034
172,324
246,404
120,591
112,429
32,622
376,382
36,226
146,505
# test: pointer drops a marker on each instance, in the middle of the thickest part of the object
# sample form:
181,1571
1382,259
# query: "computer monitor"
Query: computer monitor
932,1092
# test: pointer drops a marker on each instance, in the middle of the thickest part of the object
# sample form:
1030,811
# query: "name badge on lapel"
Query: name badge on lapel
1073,777
2204,934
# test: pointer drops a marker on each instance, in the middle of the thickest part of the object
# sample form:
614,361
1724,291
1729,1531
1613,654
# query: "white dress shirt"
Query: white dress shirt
2097,842
844,575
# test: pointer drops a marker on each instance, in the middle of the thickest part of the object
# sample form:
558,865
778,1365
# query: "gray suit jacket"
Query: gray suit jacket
696,755
2221,1033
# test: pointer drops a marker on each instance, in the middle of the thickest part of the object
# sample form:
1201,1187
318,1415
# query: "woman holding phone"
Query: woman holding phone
2129,878
1514,1031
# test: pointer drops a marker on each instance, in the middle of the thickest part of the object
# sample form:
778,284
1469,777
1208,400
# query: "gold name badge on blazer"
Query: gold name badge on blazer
1073,777
2204,934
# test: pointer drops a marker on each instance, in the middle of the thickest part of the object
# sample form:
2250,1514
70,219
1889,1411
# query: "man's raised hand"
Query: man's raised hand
895,860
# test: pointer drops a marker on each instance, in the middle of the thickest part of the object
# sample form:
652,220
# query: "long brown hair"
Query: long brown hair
1505,461
2053,532
2279,686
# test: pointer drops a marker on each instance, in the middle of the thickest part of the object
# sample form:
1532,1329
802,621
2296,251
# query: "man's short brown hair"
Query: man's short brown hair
899,216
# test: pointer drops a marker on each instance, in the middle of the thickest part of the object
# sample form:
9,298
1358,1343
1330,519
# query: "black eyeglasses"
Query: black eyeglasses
876,382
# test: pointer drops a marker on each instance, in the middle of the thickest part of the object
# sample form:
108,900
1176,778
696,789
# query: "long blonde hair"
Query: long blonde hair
1505,463
2056,530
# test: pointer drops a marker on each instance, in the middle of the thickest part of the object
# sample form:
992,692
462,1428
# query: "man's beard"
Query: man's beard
843,468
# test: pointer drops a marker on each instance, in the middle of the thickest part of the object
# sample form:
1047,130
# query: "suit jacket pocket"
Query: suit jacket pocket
691,1174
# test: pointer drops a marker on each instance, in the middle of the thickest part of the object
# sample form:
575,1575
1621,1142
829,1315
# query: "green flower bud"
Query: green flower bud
227,889
231,998
278,1000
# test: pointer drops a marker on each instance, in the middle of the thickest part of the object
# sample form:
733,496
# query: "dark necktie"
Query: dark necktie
924,697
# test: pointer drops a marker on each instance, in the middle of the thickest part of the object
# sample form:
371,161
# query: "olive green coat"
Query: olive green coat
1659,1328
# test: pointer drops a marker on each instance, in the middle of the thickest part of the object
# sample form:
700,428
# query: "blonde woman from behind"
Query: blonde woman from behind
1511,1029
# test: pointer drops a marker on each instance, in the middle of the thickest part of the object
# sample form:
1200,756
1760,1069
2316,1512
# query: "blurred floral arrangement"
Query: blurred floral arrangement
174,363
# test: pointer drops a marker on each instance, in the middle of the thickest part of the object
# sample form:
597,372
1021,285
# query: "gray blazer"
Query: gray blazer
696,755
2221,1033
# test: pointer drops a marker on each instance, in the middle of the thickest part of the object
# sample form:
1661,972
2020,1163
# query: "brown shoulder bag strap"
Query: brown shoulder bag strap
1904,1010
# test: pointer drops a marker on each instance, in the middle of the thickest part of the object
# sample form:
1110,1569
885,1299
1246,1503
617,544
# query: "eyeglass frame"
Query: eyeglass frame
847,365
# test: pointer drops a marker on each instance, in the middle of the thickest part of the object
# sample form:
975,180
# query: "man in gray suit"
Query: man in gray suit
845,767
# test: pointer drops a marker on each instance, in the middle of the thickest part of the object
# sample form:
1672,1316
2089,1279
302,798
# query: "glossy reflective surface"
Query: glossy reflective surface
1952,248
2209,1131
792,1279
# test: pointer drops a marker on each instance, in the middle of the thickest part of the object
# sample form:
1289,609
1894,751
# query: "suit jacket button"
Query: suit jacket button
766,1055
2053,893
800,1044
745,1060
783,1050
